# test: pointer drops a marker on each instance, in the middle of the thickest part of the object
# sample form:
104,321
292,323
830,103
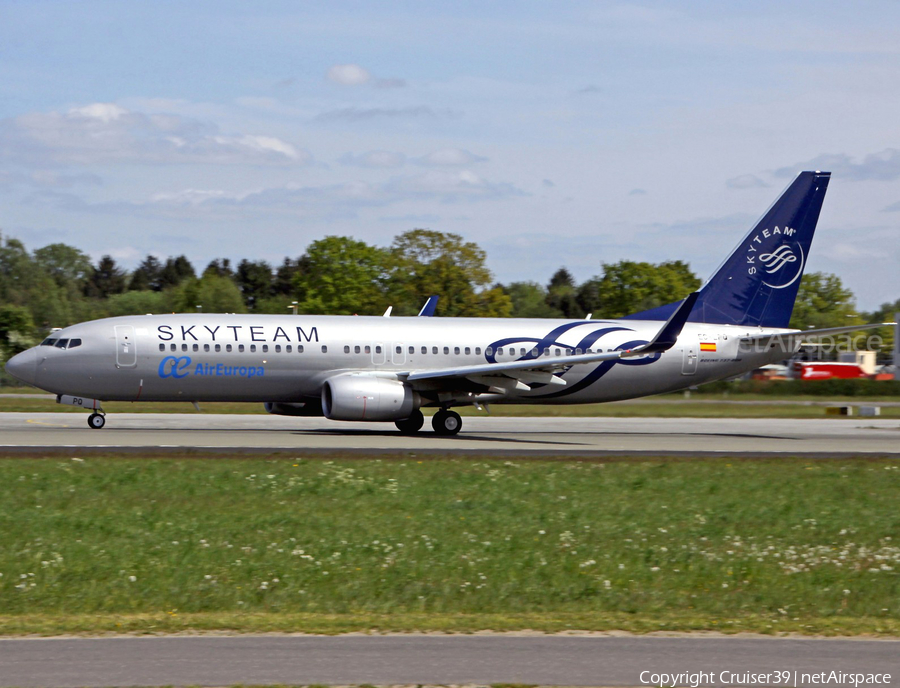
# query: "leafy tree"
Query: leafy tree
823,301
885,313
139,303
561,294
69,267
629,287
16,328
425,262
212,293
106,279
529,300
176,271
220,267
341,276
285,280
254,279
146,275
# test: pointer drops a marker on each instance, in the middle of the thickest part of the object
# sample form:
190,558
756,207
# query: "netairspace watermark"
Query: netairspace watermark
788,344
796,679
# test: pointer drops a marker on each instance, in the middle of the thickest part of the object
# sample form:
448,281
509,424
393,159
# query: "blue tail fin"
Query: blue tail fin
757,284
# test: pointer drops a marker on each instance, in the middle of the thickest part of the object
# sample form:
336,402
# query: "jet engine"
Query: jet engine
304,408
367,397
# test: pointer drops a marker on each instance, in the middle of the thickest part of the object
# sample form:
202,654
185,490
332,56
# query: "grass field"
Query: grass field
460,545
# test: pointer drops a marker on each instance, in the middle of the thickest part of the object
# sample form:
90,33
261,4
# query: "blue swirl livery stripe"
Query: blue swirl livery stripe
551,339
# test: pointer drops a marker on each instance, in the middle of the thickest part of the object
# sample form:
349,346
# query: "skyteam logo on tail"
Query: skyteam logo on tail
779,260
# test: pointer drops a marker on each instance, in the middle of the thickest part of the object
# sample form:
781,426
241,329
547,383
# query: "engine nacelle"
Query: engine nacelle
303,408
359,396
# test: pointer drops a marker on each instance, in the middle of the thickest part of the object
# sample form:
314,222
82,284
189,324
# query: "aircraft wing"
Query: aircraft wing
543,369
803,334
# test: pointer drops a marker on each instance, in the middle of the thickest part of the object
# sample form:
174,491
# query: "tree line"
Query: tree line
58,285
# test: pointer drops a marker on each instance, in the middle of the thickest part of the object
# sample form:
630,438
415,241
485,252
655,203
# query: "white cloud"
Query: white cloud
355,114
106,132
746,181
883,166
449,157
377,159
348,75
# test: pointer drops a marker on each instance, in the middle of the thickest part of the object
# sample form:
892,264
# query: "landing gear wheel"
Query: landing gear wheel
96,421
411,425
446,423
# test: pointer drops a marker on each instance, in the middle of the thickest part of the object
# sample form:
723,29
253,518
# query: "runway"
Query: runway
417,659
255,434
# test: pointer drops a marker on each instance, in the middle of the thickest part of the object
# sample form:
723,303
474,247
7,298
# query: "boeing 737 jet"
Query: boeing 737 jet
363,368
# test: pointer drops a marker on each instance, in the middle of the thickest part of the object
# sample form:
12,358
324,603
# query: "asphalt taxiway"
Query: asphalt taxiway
822,438
417,659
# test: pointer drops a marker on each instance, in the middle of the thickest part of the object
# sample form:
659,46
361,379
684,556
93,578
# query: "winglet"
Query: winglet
429,307
668,335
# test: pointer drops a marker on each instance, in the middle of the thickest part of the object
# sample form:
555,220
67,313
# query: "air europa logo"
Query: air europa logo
180,366
776,257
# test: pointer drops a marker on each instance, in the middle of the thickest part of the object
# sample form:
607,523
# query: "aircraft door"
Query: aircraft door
126,349
379,356
689,363
398,354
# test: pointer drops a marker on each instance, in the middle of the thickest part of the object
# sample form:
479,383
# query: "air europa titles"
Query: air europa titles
237,333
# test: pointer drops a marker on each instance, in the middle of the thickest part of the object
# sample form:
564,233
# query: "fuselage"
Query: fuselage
270,358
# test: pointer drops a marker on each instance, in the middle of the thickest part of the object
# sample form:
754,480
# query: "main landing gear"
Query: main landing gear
411,425
446,422
96,421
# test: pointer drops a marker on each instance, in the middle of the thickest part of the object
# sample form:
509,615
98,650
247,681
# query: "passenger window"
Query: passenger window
546,351
227,348
399,349
489,351
478,351
265,348
424,349
456,350
434,349
346,349
534,351
368,349
412,349
557,352
446,350
196,347
468,351
356,349
241,348
277,348
500,351
299,348
253,348
522,351
172,347
377,349
324,349
206,347
287,348
578,351
218,348
162,347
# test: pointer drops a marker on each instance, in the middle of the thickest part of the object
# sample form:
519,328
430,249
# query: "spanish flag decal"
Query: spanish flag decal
707,346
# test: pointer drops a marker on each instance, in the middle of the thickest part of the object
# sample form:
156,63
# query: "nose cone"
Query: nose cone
23,366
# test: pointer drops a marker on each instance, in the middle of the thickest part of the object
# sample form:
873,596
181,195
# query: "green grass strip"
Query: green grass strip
163,545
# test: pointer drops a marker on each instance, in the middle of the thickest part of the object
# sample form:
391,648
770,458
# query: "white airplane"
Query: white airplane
356,368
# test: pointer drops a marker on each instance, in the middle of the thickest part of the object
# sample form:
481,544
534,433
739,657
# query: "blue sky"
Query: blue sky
551,134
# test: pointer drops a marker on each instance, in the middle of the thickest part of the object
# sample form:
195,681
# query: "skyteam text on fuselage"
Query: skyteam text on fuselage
360,368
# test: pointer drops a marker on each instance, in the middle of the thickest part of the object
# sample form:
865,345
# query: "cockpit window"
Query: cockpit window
62,343
49,341
74,342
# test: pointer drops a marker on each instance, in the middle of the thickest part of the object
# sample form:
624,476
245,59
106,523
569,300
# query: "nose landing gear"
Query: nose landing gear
96,421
